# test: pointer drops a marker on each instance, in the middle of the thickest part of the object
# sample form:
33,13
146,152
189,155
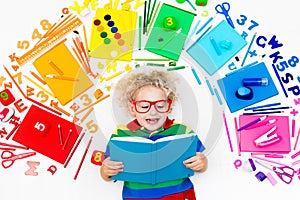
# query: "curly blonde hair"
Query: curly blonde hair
136,79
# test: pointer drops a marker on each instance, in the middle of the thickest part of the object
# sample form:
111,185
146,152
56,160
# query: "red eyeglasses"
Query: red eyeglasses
161,106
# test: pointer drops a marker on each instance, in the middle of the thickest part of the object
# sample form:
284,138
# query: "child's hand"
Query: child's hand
110,168
197,163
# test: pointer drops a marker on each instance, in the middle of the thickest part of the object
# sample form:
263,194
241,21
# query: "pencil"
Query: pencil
148,12
218,96
83,157
227,131
209,86
145,17
293,127
205,32
295,146
13,146
38,77
42,105
140,32
192,33
196,76
86,42
36,84
202,27
295,154
263,106
55,67
60,134
263,113
237,136
151,13
67,139
152,19
189,2
276,108
73,150
243,62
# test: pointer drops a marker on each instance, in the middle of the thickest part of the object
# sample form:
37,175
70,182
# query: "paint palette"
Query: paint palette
112,35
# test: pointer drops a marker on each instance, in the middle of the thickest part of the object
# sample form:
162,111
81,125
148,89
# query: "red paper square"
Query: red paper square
46,142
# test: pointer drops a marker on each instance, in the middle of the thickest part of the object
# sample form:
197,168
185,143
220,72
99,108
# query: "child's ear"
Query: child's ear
131,108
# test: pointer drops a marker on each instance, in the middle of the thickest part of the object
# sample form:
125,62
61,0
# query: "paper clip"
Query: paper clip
267,138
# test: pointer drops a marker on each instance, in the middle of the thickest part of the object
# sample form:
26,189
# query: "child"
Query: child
149,97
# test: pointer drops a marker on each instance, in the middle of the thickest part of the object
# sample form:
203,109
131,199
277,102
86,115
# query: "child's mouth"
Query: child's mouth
151,121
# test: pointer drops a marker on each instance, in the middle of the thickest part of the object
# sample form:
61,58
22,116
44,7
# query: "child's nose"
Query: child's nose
152,110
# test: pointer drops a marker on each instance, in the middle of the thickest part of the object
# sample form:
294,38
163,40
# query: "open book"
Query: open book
152,162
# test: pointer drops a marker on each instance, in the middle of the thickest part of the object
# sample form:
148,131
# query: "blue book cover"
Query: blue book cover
217,47
152,162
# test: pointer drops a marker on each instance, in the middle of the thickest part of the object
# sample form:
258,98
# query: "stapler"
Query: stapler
270,137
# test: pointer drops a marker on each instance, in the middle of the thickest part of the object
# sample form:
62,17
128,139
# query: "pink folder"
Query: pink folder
248,136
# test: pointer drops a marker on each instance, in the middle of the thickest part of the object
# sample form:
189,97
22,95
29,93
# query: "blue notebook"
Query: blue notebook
217,47
230,83
147,161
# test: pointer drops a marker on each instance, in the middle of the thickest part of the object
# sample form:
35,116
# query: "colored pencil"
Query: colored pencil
237,136
263,113
73,150
83,157
204,25
295,154
295,146
196,76
43,106
151,13
263,106
243,62
276,108
145,17
140,32
227,131
293,127
152,19
191,34
67,139
209,86
218,96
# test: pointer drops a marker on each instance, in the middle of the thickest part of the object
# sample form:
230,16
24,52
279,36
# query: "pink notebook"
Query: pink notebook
249,135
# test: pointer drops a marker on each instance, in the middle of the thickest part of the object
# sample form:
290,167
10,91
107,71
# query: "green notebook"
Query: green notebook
168,42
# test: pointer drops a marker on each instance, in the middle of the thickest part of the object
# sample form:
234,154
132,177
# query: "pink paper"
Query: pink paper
248,136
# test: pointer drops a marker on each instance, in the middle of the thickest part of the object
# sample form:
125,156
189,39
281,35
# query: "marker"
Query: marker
215,45
252,123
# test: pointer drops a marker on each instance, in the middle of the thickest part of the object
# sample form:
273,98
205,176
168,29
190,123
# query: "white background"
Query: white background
221,181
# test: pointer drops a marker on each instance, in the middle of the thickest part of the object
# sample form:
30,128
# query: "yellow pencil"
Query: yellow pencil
36,84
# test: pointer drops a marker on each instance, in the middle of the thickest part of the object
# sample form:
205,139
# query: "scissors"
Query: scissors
285,173
224,9
9,158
